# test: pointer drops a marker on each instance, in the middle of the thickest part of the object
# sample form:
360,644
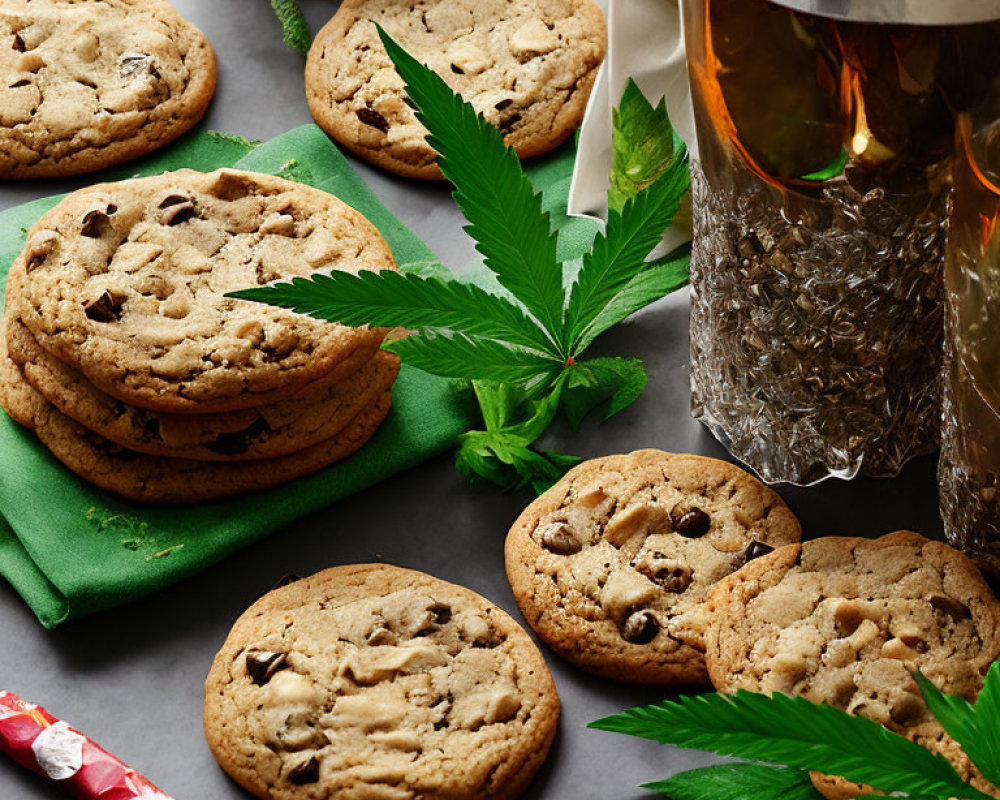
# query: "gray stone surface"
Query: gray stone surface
132,678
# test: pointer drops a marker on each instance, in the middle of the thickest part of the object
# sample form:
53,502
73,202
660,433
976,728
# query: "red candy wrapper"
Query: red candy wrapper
35,739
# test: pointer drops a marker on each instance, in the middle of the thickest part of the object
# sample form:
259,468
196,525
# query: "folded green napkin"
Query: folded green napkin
70,549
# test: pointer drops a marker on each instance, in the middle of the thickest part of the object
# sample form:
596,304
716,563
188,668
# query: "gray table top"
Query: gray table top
132,678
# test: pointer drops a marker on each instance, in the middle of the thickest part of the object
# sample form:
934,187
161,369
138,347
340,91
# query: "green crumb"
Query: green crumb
294,170
164,553
234,138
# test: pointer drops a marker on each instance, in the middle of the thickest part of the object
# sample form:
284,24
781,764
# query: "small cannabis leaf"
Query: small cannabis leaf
294,27
738,782
795,733
645,145
521,349
975,727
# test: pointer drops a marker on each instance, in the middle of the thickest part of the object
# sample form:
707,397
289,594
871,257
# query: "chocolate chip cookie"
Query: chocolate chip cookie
845,621
527,65
148,479
126,283
250,434
612,565
371,681
85,85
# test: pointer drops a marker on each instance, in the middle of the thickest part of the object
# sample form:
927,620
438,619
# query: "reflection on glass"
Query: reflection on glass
970,447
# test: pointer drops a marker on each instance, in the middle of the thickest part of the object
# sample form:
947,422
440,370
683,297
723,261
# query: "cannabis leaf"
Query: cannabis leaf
504,211
975,727
645,145
407,300
294,27
794,732
521,345
738,782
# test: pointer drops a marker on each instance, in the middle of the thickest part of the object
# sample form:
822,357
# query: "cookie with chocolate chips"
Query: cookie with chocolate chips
371,681
527,65
846,621
126,284
613,564
87,85
318,413
151,479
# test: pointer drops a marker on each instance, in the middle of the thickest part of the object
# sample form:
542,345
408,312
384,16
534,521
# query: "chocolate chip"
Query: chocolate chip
20,83
640,627
510,122
558,538
306,772
18,44
238,442
94,222
262,665
176,213
370,117
950,607
172,200
504,104
755,550
441,613
131,64
457,69
690,521
673,579
106,308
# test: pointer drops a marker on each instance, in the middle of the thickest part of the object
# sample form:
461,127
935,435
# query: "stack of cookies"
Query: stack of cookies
124,355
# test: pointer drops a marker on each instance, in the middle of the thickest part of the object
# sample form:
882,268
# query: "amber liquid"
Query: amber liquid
821,212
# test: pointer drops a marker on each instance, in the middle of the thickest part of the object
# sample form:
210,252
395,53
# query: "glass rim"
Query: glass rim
910,12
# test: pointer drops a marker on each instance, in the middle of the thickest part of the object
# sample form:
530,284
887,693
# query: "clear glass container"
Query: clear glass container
969,469
821,198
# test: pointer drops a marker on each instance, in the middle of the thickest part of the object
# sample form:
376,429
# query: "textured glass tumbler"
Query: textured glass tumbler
821,197
969,469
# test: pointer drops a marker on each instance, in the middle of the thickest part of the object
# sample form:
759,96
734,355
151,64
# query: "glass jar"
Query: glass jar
821,193
969,470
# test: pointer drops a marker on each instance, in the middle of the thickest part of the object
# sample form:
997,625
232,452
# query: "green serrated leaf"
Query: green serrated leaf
391,299
975,727
607,385
294,28
794,732
455,355
738,782
504,211
491,457
620,254
654,283
644,142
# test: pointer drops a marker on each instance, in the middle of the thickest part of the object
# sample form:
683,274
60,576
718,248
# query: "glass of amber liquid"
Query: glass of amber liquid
969,470
821,195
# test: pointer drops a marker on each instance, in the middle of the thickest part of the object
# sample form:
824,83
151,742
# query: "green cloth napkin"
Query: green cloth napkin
70,549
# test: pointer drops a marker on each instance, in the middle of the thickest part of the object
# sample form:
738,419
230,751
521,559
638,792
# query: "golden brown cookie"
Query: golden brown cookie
85,85
279,429
612,565
126,283
371,681
527,65
149,479
845,621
